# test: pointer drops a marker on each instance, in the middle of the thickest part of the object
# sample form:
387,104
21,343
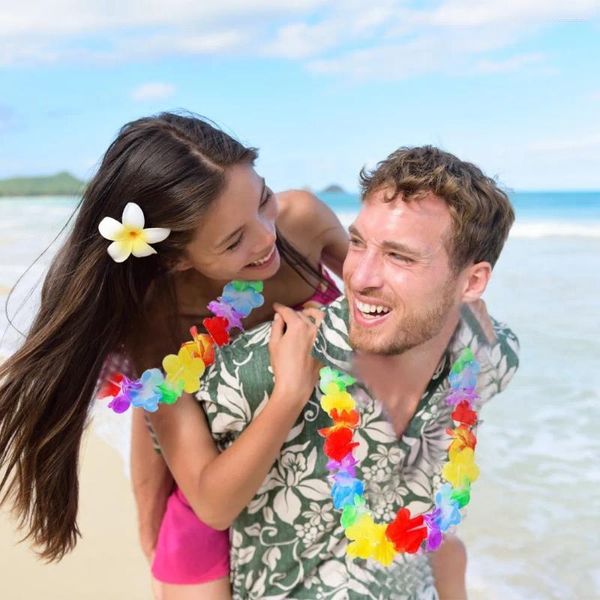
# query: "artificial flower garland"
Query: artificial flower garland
183,371
381,541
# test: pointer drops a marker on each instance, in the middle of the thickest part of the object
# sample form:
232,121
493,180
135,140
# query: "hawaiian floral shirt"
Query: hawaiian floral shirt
288,542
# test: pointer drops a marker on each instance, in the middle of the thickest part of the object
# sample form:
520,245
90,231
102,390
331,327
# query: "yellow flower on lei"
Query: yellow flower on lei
461,468
336,398
184,367
368,540
130,237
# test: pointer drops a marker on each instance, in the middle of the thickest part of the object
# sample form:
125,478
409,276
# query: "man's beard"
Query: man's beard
415,328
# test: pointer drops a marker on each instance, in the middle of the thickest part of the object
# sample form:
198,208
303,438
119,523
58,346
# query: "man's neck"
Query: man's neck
400,380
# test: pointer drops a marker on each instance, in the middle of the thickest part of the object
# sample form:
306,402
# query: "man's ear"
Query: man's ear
476,280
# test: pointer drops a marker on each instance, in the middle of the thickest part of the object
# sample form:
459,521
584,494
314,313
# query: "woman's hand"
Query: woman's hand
292,338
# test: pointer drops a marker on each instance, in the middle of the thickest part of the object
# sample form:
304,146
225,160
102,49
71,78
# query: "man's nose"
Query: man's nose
367,272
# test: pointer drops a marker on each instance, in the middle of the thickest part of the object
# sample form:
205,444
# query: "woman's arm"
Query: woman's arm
151,482
220,486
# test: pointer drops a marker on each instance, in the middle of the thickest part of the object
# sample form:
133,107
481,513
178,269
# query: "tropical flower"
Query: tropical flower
463,413
219,308
218,328
347,465
336,399
127,388
461,468
184,367
344,489
149,395
462,437
243,296
368,540
353,511
328,375
170,391
129,236
449,513
338,444
202,346
405,532
462,495
345,418
434,533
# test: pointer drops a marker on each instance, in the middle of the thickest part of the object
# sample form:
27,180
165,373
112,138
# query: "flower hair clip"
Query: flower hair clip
129,236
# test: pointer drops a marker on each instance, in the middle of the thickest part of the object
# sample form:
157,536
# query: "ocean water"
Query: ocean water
533,525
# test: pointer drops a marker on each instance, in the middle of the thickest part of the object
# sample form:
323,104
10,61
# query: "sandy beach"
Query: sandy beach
107,563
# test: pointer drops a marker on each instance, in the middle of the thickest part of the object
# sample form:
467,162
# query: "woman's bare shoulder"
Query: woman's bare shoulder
303,214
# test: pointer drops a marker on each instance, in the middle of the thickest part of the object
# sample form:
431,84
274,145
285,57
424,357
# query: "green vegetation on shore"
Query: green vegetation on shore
61,184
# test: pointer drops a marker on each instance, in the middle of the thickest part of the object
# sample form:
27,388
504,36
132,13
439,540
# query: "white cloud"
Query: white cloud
514,63
387,39
153,91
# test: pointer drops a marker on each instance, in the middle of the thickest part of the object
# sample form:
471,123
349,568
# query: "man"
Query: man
421,254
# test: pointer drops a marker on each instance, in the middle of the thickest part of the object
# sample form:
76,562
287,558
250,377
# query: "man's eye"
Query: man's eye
235,244
402,258
355,241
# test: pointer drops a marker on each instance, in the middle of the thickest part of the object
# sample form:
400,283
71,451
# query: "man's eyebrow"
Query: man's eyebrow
389,244
233,234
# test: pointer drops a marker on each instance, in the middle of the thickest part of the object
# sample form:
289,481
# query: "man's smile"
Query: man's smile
370,314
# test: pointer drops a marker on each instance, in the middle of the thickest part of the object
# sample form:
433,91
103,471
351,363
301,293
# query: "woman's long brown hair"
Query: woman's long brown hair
173,167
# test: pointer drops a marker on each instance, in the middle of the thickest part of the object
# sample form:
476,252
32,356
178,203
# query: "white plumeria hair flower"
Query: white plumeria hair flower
130,237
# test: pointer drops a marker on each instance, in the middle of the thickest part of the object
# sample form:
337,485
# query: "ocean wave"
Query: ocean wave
543,229
526,229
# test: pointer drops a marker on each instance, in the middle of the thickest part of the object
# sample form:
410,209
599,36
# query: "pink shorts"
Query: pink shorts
189,551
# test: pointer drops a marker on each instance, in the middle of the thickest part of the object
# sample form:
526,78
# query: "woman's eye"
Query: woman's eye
267,198
235,244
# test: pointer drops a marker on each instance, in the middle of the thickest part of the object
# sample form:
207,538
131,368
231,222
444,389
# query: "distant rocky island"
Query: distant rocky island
61,184
334,188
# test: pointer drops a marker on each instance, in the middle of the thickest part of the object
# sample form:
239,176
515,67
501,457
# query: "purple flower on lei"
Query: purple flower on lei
220,308
122,401
456,396
434,533
346,466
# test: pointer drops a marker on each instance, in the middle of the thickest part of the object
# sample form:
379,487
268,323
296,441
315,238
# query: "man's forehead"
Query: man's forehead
426,211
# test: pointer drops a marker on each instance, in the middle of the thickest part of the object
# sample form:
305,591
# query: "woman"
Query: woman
198,183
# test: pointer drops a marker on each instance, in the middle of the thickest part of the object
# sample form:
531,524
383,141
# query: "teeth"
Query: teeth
372,308
262,261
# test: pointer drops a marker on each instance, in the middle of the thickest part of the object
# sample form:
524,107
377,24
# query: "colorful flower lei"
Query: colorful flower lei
183,371
380,541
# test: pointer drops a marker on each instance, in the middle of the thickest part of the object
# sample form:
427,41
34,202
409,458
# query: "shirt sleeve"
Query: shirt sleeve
237,384
494,344
332,347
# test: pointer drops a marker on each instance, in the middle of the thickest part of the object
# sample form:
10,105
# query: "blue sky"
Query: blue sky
321,87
